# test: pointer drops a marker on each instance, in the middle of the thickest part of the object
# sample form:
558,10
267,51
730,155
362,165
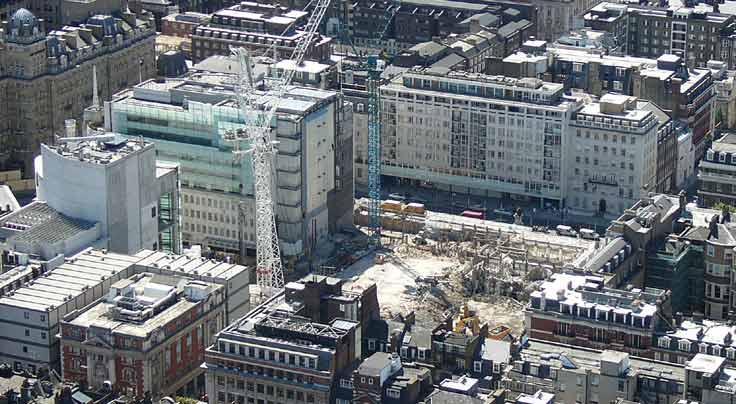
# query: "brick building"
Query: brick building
261,28
292,347
182,24
578,310
147,335
383,379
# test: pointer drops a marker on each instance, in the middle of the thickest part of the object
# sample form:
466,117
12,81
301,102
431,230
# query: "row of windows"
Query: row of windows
686,346
278,392
614,138
268,355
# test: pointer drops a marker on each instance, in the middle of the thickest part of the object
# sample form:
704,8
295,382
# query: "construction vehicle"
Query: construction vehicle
467,321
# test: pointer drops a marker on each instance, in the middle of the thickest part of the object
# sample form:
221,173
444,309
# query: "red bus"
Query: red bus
473,214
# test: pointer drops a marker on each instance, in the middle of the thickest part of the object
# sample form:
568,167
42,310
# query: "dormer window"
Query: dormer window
730,353
684,346
703,348
722,157
664,342
709,155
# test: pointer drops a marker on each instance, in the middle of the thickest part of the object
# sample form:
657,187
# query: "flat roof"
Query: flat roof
98,315
185,264
705,363
63,283
39,223
585,358
594,108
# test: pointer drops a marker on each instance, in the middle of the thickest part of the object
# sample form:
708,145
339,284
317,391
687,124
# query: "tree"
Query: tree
724,207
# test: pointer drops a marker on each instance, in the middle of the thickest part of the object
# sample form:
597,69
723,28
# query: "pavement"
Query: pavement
495,208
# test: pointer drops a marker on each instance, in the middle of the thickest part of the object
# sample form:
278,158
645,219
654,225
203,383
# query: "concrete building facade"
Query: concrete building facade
40,75
474,133
615,151
187,119
117,183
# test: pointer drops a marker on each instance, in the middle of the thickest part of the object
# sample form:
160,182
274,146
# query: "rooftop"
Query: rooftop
65,282
41,224
705,363
586,292
101,149
144,303
572,358
726,143
706,331
374,364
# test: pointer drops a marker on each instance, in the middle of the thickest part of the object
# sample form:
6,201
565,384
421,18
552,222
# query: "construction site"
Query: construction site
434,263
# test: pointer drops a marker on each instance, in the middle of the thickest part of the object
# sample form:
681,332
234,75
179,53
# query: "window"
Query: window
621,386
684,346
393,393
43,335
477,366
28,332
26,315
370,380
703,348
128,375
730,353
594,380
617,85
371,345
664,342
722,157
577,67
153,211
711,251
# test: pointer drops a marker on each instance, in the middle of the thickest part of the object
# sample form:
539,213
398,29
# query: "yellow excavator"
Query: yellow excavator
467,320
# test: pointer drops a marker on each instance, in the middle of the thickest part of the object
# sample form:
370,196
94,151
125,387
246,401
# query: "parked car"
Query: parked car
589,234
563,230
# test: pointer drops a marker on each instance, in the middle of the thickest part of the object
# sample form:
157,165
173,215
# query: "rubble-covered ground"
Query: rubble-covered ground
411,278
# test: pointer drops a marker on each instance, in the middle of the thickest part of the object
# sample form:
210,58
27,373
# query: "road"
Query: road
454,203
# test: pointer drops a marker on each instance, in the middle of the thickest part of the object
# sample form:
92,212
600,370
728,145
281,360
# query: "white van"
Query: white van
589,234
563,230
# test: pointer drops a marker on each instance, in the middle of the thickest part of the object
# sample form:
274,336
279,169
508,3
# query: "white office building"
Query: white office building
117,183
486,135
615,154
496,136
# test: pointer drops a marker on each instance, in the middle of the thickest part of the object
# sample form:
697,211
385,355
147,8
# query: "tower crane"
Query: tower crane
258,110
373,81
